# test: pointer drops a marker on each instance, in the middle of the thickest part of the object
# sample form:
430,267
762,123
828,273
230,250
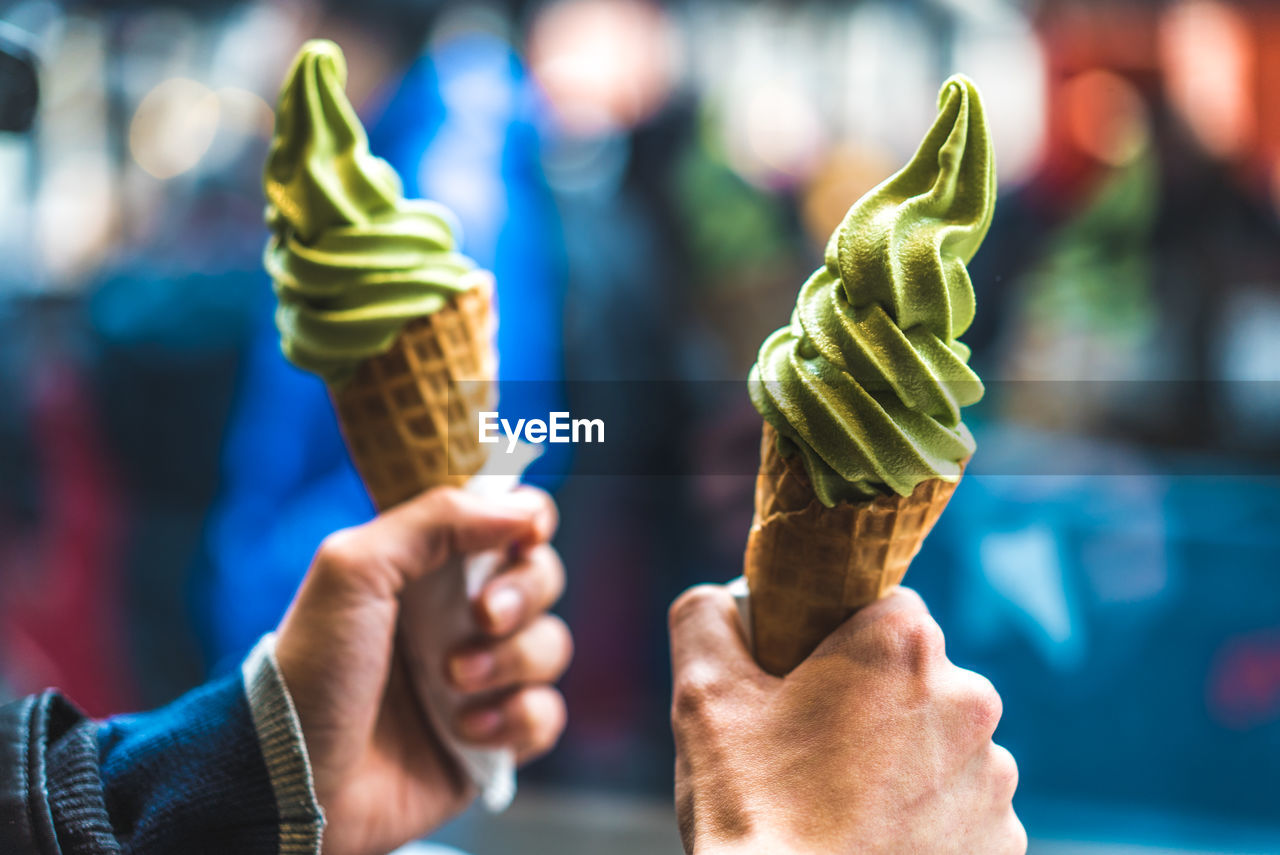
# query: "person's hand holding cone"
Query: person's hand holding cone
861,392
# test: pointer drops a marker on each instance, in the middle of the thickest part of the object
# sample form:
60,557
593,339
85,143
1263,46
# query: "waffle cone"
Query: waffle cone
409,415
810,567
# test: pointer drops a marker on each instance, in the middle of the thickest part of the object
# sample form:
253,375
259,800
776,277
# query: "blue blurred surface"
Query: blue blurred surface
1130,622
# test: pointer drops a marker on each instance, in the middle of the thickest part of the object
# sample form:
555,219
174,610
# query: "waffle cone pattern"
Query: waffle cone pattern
809,567
409,415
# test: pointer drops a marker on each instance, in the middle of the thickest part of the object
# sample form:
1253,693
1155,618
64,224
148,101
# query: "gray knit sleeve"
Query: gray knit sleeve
284,750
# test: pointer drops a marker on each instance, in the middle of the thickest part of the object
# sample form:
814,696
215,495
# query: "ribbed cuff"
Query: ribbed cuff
284,750
75,794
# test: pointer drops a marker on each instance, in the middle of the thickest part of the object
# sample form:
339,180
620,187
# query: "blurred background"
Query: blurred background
651,184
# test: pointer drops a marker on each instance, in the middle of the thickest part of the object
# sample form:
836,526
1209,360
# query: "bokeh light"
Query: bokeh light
243,117
1000,50
602,63
1106,116
777,136
173,127
1207,56
75,216
888,75
845,174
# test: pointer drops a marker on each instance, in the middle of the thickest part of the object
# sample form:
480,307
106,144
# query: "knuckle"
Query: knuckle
540,714
562,639
541,654
698,691
985,703
548,577
444,504
445,497
559,715
1016,836
908,598
521,712
913,637
534,496
558,575
691,602
544,507
342,553
1004,771
440,513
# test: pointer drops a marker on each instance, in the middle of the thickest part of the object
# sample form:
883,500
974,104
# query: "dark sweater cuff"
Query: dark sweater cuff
75,794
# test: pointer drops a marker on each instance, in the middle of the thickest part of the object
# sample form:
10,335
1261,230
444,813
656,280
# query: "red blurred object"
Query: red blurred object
1244,682
1265,27
1132,41
1120,39
61,610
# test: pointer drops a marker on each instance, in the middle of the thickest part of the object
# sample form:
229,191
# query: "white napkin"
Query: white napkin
742,599
425,638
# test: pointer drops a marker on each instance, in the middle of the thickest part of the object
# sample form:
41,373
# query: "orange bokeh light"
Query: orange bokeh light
1106,116
1207,56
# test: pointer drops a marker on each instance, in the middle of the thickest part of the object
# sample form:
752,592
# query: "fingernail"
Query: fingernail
472,668
481,724
504,606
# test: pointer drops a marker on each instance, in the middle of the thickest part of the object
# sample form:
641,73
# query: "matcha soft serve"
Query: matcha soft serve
351,259
867,380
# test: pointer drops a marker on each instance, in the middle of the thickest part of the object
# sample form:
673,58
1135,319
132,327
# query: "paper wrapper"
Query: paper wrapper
810,567
426,639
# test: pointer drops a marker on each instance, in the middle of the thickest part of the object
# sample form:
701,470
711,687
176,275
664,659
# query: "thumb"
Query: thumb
423,534
707,635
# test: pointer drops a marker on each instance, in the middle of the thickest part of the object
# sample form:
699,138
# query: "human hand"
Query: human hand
381,774
874,744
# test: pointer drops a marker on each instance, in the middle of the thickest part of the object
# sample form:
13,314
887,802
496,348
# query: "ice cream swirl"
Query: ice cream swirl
351,259
868,379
